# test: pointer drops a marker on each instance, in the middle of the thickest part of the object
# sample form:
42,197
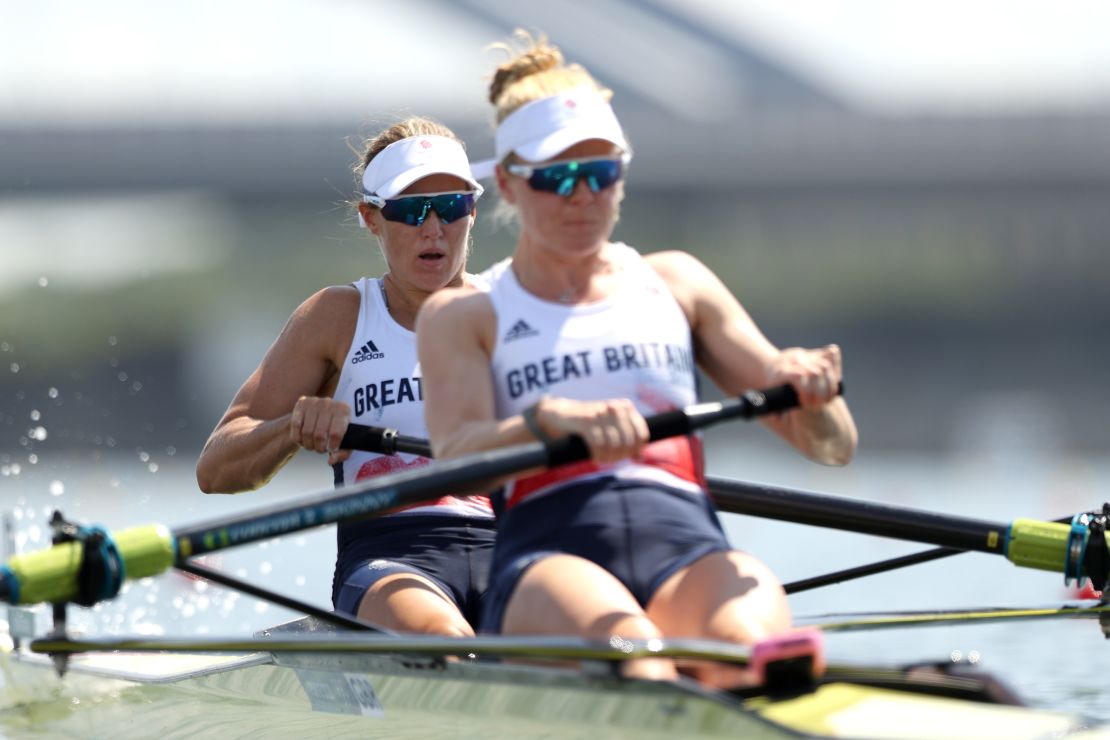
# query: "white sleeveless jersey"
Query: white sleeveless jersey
380,381
634,344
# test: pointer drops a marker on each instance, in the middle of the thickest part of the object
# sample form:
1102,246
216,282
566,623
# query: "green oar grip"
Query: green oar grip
51,574
1035,544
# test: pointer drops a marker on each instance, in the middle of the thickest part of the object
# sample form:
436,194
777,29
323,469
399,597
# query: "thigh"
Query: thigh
408,602
729,596
565,594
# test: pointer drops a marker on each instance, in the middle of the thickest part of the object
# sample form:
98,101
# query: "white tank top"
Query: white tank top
634,344
380,381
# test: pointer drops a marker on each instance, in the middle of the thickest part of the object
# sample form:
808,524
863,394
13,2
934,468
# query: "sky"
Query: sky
945,55
68,61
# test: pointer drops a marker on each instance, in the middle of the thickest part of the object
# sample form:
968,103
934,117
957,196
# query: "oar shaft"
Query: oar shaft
1029,543
865,517
52,574
457,476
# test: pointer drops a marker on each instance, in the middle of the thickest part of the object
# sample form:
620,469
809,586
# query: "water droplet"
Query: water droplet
33,459
53,393
15,367
35,415
38,433
955,656
145,457
261,607
57,488
973,656
265,567
300,580
153,467
43,281
112,341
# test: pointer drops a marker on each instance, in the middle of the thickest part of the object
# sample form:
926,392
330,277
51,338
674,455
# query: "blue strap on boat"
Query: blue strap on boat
11,584
1077,548
102,571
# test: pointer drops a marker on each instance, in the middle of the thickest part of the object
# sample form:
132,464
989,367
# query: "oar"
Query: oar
383,440
57,573
725,492
388,441
1077,549
879,566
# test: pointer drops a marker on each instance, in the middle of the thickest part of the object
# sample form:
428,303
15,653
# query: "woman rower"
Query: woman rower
352,348
579,335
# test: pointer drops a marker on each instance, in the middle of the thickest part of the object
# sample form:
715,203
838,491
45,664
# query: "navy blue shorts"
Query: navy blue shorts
450,551
641,533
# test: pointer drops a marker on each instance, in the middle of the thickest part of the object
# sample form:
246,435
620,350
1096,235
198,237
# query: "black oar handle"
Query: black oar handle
674,423
383,441
692,418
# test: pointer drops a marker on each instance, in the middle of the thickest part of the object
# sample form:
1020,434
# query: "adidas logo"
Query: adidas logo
520,330
368,351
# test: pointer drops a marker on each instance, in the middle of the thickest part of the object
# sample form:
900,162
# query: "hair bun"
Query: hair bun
540,58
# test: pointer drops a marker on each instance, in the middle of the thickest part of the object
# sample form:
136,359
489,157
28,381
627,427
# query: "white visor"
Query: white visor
541,129
404,162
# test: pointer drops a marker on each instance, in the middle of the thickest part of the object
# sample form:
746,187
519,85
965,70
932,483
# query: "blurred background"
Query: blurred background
925,183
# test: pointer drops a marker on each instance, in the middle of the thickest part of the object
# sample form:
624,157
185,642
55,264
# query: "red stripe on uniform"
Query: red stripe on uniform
683,457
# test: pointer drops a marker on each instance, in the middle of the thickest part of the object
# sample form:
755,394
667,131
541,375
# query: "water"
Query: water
1055,664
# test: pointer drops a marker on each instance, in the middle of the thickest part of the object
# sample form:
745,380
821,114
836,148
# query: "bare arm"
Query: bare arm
455,336
285,404
738,357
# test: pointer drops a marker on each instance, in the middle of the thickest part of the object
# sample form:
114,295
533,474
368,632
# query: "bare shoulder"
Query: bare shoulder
454,305
456,317
329,315
687,277
332,300
673,260
680,269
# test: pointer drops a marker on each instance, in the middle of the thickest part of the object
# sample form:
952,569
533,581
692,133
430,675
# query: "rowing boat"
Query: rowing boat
326,675
304,679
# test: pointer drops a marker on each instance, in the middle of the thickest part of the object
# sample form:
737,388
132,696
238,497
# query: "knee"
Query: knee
442,622
628,626
447,626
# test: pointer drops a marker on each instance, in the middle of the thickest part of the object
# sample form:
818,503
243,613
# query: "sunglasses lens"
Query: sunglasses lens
411,211
452,207
562,178
414,209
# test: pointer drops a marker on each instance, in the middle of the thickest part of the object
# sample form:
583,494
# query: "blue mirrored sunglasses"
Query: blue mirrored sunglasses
414,209
562,177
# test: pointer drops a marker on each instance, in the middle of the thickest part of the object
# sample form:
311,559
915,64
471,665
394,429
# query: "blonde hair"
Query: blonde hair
406,129
536,69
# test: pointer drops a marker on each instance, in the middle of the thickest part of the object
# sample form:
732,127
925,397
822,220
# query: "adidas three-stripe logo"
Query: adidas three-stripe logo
519,330
368,351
